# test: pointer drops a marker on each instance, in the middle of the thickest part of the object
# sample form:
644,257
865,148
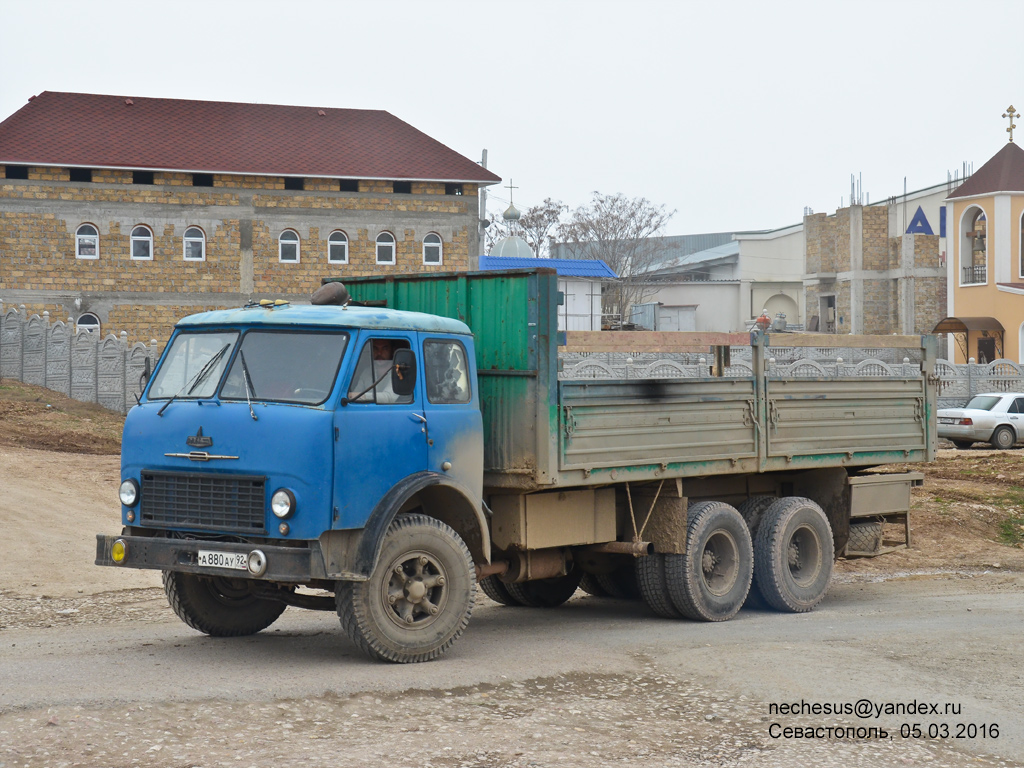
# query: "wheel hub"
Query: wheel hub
720,562
709,561
415,593
804,556
794,555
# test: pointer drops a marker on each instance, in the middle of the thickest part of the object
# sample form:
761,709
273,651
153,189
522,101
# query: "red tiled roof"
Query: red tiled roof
1004,172
86,130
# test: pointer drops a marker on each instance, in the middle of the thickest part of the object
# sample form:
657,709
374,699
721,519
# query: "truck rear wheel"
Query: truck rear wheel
418,600
751,510
650,576
620,583
793,555
709,582
495,589
545,593
592,586
217,606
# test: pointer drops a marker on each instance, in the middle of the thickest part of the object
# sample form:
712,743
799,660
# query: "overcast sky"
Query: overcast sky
734,114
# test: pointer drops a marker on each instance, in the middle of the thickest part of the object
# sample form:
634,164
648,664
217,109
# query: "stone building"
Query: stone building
129,213
869,273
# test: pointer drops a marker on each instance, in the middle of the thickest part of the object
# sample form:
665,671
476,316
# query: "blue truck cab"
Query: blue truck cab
339,449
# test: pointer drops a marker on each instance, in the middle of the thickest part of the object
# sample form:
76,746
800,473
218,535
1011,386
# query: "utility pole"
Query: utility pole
481,222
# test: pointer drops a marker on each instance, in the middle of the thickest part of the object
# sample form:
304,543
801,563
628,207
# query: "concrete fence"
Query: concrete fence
107,370
958,383
77,363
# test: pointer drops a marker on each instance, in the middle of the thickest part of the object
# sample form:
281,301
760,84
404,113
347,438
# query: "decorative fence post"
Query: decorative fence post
11,344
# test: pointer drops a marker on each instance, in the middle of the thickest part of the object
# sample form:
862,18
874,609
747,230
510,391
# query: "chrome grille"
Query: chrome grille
194,500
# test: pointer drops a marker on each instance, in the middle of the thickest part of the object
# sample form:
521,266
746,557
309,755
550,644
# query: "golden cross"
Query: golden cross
509,186
1011,113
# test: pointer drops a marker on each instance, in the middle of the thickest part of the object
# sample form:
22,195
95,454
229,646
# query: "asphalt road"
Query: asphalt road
595,682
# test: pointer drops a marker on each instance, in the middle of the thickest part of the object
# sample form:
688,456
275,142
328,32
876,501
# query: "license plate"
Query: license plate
234,561
947,421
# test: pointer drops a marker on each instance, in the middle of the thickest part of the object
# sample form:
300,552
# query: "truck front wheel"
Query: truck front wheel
418,599
217,606
793,555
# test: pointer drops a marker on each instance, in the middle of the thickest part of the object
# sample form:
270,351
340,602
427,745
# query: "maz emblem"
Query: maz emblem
199,440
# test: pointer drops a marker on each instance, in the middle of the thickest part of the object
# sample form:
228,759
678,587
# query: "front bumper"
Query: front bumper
285,564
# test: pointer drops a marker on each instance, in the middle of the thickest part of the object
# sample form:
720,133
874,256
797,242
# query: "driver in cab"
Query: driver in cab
372,383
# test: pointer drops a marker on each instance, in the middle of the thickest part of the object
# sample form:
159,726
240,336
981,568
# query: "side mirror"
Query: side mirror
144,377
403,372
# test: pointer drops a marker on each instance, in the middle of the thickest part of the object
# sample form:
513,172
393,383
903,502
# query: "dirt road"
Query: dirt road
96,671
596,682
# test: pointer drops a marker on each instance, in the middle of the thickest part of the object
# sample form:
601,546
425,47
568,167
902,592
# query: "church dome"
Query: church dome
513,246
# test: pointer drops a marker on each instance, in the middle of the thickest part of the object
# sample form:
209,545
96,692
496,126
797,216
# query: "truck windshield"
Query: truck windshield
285,367
193,365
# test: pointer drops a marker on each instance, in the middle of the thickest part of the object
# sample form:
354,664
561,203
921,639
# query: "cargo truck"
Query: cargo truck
383,453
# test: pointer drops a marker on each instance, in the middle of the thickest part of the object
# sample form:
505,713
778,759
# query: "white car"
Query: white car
992,417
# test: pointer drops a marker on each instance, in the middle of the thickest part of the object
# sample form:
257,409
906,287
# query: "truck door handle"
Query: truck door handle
416,416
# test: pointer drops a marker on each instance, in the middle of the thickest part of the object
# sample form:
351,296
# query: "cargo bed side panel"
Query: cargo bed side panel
868,420
623,424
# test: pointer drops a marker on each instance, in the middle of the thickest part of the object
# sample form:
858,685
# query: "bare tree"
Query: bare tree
623,232
537,226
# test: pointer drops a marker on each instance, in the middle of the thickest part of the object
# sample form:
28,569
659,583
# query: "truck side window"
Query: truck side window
446,372
375,362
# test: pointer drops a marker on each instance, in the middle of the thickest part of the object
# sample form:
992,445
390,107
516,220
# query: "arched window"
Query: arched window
87,322
432,249
87,242
142,243
973,247
194,244
337,248
385,248
288,246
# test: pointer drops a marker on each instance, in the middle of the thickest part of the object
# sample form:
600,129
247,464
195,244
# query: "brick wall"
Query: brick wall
248,182
875,240
843,314
173,179
929,303
880,306
152,321
813,226
49,174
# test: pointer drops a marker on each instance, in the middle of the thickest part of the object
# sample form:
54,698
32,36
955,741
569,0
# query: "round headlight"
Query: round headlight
129,492
282,503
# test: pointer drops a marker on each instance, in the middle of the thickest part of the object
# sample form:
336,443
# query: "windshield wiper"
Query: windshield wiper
247,378
198,379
